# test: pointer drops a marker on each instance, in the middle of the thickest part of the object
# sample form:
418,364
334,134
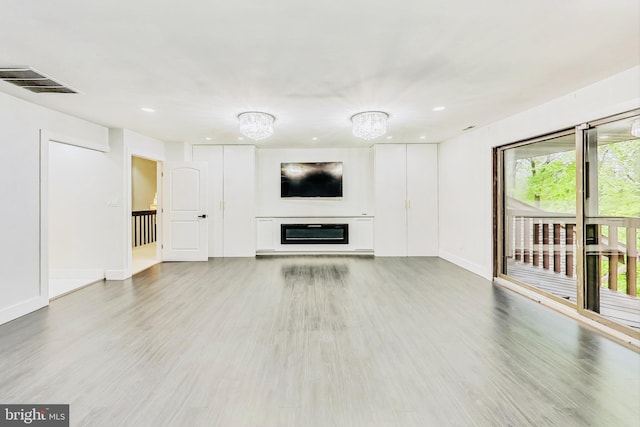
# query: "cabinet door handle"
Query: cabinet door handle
202,216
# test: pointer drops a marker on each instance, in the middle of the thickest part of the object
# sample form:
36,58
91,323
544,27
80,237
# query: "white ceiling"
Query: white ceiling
313,64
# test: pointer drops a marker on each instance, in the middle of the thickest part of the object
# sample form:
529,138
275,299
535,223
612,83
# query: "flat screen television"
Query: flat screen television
322,179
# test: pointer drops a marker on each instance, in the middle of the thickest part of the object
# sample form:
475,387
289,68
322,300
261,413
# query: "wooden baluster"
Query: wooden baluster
569,249
545,246
518,238
613,257
556,248
632,259
526,240
536,244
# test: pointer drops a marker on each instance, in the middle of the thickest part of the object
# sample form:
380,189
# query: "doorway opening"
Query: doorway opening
71,204
144,204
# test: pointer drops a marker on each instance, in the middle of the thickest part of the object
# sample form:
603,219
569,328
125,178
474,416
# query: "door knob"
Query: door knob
202,216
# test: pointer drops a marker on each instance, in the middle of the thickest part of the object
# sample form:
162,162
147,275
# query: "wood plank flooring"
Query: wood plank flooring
315,341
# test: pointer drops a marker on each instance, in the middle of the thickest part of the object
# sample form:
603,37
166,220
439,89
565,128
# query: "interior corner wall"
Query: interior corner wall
357,178
178,151
465,163
20,126
143,146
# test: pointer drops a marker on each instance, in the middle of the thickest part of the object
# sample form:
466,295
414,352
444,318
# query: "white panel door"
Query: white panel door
239,201
213,155
422,200
390,190
184,211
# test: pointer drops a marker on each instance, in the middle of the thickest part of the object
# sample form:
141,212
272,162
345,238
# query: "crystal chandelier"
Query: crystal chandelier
256,125
635,128
369,124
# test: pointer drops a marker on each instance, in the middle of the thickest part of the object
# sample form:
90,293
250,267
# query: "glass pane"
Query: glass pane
612,219
540,215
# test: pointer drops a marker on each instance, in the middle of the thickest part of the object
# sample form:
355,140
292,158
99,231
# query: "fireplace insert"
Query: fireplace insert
321,234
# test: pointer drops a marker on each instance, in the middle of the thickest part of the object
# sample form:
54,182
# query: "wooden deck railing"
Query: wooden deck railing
619,256
143,227
549,242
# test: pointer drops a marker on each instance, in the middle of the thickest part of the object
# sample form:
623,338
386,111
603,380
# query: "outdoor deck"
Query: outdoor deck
616,306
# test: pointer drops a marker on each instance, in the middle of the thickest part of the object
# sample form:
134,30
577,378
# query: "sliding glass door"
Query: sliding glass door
539,213
612,219
568,218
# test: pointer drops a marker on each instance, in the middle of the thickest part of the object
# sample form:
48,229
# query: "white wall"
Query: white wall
178,152
357,178
20,125
143,183
465,163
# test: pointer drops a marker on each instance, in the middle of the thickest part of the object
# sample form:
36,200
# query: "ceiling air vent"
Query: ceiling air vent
30,79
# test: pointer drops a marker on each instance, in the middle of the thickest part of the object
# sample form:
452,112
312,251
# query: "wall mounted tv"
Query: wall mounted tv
323,179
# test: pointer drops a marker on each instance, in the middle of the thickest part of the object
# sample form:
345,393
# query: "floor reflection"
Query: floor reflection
314,296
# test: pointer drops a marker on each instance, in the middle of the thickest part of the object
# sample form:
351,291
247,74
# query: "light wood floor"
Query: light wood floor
315,341
143,257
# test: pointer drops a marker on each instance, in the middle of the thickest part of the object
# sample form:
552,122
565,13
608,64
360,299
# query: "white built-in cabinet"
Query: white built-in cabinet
406,199
232,198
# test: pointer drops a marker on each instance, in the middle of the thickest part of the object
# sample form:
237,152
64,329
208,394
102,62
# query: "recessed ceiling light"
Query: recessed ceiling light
390,137
423,137
148,110
315,138
208,138
240,138
439,108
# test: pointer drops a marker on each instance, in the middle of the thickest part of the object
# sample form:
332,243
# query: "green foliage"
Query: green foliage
549,181
619,179
553,183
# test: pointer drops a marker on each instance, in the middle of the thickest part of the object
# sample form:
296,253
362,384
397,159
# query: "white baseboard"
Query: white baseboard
76,274
117,274
8,314
472,267
60,287
64,281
